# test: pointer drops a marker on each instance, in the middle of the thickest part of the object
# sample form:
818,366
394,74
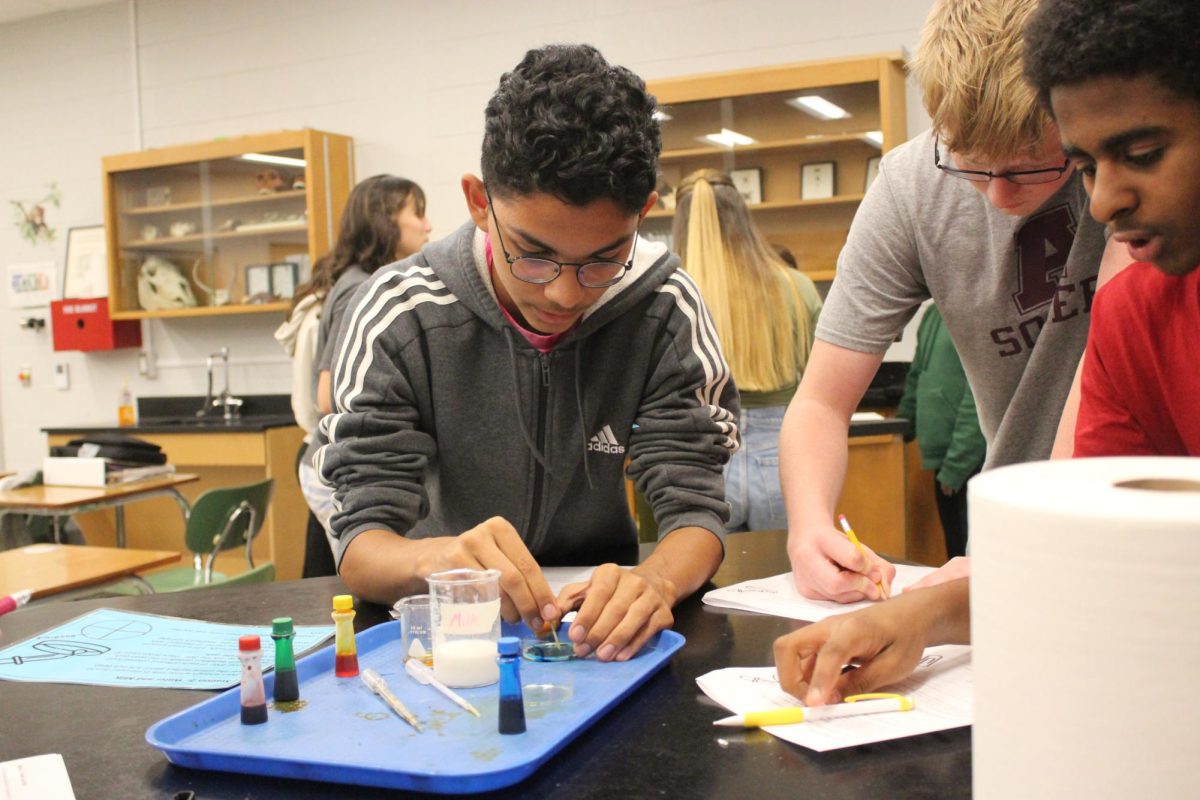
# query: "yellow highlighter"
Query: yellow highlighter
857,705
884,592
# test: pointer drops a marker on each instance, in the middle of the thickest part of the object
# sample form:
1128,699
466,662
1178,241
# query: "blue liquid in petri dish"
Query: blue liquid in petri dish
549,651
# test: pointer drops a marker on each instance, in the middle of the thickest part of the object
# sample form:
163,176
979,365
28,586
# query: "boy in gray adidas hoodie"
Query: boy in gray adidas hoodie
488,390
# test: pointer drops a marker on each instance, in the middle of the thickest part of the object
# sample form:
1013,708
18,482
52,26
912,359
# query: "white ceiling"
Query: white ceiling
13,10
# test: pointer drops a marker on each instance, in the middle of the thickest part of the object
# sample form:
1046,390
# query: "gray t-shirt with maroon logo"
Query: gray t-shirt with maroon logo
1015,292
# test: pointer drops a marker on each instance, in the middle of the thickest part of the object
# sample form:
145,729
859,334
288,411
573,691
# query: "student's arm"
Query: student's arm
886,640
812,468
622,608
1114,259
685,432
907,408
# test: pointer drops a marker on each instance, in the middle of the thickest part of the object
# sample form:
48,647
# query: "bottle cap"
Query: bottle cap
249,642
343,602
282,626
509,646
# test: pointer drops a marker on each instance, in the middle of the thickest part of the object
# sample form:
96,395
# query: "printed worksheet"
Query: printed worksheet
107,647
940,688
778,596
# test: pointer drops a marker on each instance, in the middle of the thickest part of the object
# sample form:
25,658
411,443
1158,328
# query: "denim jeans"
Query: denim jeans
752,475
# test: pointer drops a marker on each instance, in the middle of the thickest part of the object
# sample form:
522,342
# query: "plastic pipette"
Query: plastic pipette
379,686
424,675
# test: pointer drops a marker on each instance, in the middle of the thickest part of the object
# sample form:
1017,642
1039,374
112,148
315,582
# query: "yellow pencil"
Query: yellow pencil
884,593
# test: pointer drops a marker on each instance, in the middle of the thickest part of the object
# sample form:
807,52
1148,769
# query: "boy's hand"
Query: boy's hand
619,610
886,641
495,544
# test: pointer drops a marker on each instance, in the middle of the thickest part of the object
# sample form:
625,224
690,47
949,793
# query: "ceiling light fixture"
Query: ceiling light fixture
264,158
874,137
728,138
817,106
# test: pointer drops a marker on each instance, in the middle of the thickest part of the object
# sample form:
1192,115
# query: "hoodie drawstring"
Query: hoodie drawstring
579,406
512,360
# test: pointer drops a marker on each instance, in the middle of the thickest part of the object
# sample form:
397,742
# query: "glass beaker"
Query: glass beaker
465,613
416,628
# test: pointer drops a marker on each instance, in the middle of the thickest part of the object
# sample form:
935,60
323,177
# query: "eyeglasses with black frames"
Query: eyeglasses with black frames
590,274
1027,177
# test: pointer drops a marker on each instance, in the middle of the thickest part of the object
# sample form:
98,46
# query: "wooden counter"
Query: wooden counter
220,458
873,496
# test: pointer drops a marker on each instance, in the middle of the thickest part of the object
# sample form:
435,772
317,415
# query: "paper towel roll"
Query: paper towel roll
1085,620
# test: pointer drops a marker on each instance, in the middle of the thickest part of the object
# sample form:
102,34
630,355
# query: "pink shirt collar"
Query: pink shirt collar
541,342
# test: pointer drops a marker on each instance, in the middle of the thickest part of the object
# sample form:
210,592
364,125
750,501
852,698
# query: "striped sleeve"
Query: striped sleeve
384,301
687,421
376,454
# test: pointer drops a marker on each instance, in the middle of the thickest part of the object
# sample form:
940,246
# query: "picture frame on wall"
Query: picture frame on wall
85,269
818,180
872,172
748,182
284,275
258,283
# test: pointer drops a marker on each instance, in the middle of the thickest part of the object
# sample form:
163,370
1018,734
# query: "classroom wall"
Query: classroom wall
407,80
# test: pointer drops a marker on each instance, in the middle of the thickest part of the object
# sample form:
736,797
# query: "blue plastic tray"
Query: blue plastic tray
346,734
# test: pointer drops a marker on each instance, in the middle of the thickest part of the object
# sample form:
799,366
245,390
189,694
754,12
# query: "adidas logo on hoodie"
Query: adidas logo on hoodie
603,441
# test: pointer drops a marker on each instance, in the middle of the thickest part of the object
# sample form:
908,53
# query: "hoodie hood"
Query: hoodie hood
289,331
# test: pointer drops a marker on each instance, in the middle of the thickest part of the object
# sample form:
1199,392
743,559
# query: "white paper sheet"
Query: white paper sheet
940,688
35,778
778,596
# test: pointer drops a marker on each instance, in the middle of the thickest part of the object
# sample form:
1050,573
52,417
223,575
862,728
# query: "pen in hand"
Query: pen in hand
884,592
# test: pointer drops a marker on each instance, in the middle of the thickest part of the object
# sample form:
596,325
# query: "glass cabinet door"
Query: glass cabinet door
228,226
212,233
801,152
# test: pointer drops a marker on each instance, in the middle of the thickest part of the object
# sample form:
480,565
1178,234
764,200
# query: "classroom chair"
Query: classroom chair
220,519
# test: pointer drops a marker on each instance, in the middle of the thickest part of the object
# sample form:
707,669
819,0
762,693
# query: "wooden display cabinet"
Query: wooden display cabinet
230,221
755,104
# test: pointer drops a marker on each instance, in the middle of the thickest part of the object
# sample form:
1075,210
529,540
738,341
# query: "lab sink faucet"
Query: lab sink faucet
231,406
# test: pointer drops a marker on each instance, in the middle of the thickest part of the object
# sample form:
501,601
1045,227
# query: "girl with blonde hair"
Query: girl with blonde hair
765,315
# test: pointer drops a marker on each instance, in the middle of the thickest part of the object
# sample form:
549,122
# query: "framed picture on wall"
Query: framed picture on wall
258,283
817,180
283,279
748,182
85,271
872,172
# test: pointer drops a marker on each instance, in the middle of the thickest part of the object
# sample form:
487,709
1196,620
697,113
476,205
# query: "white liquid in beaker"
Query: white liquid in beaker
465,663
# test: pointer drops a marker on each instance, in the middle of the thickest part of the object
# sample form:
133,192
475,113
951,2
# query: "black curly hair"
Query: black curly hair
568,123
1071,41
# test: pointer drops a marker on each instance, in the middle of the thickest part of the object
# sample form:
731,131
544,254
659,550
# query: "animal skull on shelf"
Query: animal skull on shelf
161,285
